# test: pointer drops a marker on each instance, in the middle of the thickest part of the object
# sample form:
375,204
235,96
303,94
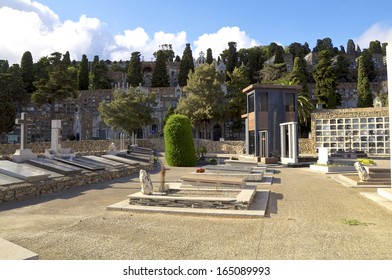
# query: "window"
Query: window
289,102
262,102
251,103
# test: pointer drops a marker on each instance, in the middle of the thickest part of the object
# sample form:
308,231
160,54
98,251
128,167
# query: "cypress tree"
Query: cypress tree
67,59
134,70
365,98
160,77
27,72
231,59
209,58
83,74
186,64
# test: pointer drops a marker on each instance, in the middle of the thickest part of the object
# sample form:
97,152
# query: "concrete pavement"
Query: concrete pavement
308,218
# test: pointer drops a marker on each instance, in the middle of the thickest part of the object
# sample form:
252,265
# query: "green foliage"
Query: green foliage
365,98
58,85
186,65
326,83
252,59
27,72
366,161
170,111
209,58
129,110
18,92
368,65
342,69
7,108
350,47
160,77
272,72
375,47
204,98
100,74
134,70
179,145
353,222
231,59
83,74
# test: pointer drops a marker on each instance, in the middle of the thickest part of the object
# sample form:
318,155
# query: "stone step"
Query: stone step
11,251
385,193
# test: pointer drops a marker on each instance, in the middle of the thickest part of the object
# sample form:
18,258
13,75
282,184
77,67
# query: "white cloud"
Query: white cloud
218,41
377,31
33,27
139,40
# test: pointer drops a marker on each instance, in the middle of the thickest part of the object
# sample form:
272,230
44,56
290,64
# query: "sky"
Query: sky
113,29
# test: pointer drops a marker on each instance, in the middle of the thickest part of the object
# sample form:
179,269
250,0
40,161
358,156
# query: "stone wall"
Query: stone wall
26,190
98,147
306,146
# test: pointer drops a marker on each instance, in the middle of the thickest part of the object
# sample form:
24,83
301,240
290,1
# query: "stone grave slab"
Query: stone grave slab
55,166
249,177
79,163
137,157
12,251
8,180
106,161
121,159
233,169
21,171
232,162
94,162
219,181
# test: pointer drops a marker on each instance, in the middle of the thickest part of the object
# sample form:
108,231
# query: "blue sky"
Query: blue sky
114,29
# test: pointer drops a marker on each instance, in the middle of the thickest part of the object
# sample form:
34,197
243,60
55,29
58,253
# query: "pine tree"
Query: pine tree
186,65
160,77
27,72
83,74
209,58
326,83
134,70
365,98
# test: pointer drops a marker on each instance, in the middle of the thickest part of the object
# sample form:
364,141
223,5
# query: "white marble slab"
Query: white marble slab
21,171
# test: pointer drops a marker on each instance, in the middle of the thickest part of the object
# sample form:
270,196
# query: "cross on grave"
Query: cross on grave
23,122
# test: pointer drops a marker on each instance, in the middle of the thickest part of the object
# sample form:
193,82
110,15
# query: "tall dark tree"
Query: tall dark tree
67,59
134,70
27,72
254,63
384,48
324,45
17,90
100,74
375,47
369,65
299,73
342,69
186,65
168,52
297,49
160,77
351,47
326,82
232,58
365,98
83,74
57,86
7,107
209,58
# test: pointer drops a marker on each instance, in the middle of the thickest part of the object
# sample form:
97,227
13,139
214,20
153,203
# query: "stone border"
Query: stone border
241,202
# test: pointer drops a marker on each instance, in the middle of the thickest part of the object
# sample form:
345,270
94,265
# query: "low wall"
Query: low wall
98,147
25,190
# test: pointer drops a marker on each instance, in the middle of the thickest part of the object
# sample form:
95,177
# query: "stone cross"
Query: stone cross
23,122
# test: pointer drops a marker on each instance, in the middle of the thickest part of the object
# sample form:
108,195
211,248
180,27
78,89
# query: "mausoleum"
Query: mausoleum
271,121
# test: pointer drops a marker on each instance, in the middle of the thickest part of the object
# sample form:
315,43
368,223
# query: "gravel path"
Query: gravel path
305,221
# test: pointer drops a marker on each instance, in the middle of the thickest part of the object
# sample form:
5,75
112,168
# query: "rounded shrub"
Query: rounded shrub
179,145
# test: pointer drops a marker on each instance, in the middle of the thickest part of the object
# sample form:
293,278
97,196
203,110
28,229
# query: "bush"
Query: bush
179,145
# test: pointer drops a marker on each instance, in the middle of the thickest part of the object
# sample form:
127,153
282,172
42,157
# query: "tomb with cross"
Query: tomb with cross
23,153
55,143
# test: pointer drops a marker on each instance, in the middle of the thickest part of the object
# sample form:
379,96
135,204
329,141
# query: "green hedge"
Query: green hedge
179,145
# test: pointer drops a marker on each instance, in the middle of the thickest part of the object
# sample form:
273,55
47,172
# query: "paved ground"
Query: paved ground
304,221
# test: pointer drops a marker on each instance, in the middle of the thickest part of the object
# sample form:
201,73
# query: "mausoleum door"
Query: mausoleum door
263,142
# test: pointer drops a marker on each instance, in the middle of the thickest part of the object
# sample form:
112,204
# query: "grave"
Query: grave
8,180
55,143
327,164
80,163
238,202
125,160
207,181
55,166
21,171
23,153
106,161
